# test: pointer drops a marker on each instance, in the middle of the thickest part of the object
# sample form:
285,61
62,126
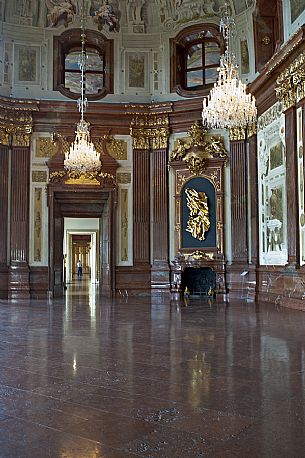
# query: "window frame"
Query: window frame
180,46
70,41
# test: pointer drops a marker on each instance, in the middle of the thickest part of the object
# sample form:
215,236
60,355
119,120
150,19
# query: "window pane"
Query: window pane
94,61
194,56
94,83
72,81
194,78
212,54
72,60
211,75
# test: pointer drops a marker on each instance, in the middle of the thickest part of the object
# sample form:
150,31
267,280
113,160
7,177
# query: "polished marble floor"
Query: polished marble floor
88,377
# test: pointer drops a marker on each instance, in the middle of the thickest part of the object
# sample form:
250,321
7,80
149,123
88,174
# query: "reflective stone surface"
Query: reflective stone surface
91,377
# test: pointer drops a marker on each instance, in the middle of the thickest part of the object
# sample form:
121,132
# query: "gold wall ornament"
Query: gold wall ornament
150,131
140,139
237,134
83,178
150,120
200,256
45,147
116,148
123,177
150,138
16,121
39,176
199,222
198,148
290,84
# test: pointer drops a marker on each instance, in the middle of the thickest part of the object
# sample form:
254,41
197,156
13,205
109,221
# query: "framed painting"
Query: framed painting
27,64
136,70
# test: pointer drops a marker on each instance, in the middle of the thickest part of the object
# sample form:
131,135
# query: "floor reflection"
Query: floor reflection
90,376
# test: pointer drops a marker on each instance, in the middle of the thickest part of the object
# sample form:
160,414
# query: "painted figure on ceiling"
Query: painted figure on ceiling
60,10
104,14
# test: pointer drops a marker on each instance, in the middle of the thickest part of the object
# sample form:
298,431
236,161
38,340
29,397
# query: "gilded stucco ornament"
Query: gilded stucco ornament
290,84
16,121
150,131
198,149
199,221
74,177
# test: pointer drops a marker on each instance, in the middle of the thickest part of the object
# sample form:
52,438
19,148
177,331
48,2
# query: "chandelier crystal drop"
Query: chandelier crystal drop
228,104
82,156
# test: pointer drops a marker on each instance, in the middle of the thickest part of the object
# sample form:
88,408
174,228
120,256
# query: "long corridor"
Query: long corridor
88,377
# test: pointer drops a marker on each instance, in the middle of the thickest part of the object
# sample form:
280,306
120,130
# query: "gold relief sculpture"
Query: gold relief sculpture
159,138
150,131
37,223
150,120
16,121
290,84
116,148
140,139
150,138
198,149
39,176
200,256
237,133
199,222
124,224
72,178
123,177
45,147
83,180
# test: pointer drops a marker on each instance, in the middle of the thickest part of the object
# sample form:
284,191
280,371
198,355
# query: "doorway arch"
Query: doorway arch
81,201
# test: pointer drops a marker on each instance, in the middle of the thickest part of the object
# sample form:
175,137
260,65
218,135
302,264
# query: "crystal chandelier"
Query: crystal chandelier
228,104
82,157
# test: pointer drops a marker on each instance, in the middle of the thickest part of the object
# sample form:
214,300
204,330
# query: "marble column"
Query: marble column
253,174
141,219
19,282
160,274
4,221
238,172
291,188
239,214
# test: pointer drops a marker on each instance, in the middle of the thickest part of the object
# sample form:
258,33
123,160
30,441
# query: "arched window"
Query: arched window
196,56
99,64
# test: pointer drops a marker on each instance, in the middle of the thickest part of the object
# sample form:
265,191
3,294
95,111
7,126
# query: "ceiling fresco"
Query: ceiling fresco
137,16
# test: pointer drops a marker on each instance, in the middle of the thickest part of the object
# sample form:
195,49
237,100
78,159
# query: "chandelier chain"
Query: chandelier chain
82,156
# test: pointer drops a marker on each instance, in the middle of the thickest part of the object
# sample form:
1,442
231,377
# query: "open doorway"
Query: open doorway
80,244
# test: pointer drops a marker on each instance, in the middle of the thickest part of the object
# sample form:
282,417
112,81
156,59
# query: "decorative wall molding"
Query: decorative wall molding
271,115
290,84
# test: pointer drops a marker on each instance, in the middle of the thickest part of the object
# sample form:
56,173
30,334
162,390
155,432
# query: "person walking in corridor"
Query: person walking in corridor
79,269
